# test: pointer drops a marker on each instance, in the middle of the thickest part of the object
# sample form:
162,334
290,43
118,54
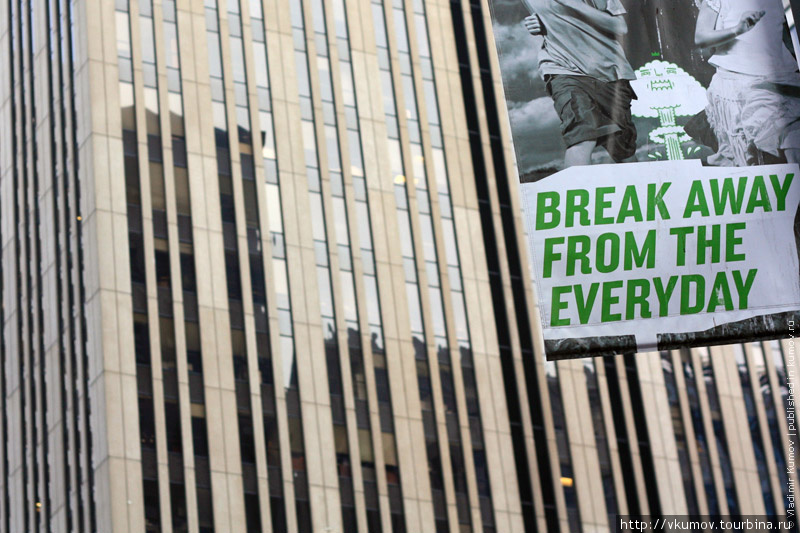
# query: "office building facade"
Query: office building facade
264,269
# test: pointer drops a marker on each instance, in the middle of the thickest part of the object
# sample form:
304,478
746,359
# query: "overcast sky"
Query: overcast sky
534,122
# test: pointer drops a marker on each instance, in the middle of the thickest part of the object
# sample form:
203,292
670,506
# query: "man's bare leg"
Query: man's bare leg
579,154
792,155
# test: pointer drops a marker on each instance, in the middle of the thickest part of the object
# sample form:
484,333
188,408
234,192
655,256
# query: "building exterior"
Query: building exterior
263,269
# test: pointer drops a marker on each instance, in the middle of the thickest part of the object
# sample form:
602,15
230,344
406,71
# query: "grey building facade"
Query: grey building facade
264,269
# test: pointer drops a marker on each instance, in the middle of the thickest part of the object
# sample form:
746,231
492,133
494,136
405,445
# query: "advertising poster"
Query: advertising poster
657,146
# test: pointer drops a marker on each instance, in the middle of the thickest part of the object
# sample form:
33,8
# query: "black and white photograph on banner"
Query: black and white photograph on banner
657,144
613,81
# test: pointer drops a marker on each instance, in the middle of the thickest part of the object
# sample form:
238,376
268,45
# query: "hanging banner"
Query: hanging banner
657,145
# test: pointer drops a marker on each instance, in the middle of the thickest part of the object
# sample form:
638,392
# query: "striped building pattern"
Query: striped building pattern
264,270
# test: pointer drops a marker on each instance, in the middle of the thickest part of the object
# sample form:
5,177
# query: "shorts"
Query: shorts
751,114
595,110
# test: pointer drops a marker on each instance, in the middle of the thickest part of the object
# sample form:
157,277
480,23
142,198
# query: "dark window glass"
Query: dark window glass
173,416
152,512
187,273
132,192
252,514
178,501
147,425
234,281
304,516
141,339
227,206
204,508
162,268
199,436
278,515
246,439
239,367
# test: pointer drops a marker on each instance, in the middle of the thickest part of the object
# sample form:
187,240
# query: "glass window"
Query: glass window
145,8
243,121
214,58
237,57
148,50
430,101
395,159
345,262
176,115
264,98
172,415
422,35
285,321
317,218
281,283
400,30
462,331
151,111
260,59
415,312
360,190
217,90
169,10
388,93
428,242
199,434
340,214
437,312
287,355
328,113
303,84
274,208
247,446
157,186
351,117
310,144
187,273
440,169
423,204
171,45
123,35
450,244
364,234
326,90
349,296
405,64
379,25
410,98
348,91
234,22
432,271
356,164
220,120
332,139
373,302
454,274
127,105
445,208
369,262
267,136
410,269
325,295
406,244
125,70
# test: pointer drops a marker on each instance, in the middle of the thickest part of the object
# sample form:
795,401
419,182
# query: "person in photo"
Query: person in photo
754,96
587,74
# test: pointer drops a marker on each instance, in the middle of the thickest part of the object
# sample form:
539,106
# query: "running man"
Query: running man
587,74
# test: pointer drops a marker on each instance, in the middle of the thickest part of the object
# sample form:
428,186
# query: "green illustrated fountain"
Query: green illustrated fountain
665,91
